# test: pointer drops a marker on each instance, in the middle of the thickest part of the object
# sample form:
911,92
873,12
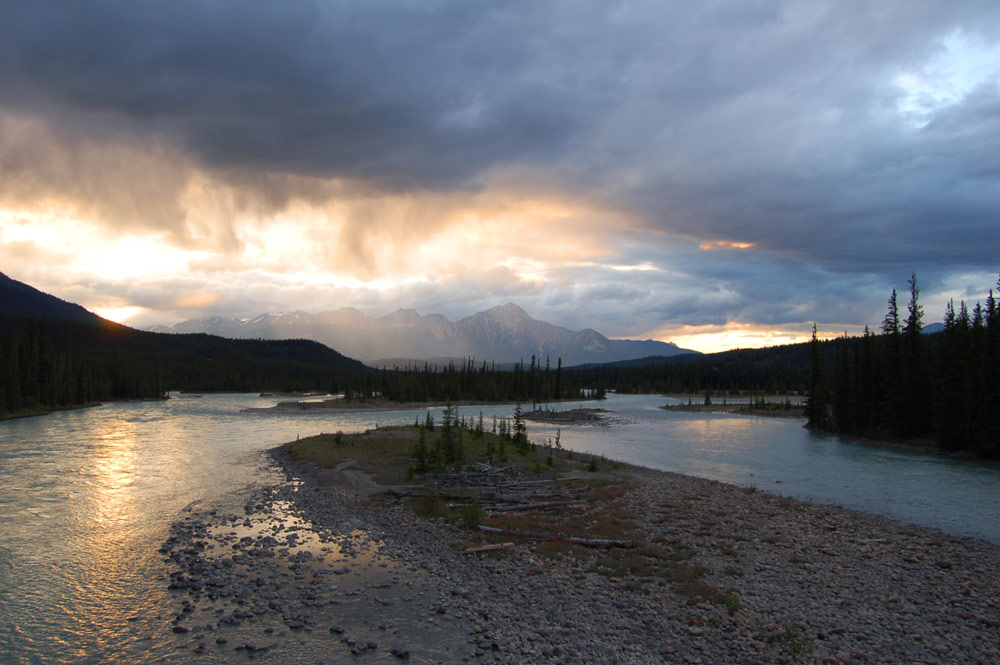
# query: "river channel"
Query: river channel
88,497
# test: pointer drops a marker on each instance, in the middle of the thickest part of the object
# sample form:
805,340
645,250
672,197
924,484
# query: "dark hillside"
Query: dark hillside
777,369
56,354
19,299
46,363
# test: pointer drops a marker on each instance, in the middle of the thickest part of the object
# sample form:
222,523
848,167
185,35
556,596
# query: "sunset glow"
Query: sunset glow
625,196
118,314
710,339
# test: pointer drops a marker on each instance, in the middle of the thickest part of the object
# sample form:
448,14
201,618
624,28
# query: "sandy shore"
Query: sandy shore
310,566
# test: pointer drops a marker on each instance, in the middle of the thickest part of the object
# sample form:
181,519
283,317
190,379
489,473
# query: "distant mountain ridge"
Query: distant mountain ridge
504,334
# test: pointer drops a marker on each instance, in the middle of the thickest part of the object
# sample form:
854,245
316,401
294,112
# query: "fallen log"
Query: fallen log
534,535
417,495
488,548
538,506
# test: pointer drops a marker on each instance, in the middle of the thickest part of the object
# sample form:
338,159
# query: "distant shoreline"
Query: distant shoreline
353,406
742,405
49,410
32,413
738,409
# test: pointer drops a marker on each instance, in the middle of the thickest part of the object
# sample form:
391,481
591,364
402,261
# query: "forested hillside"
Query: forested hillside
52,363
903,385
777,369
20,299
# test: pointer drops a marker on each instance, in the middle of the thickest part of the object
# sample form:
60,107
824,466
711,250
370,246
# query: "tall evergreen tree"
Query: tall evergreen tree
817,405
915,421
893,404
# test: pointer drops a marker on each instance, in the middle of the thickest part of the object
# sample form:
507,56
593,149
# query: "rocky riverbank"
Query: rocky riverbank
309,572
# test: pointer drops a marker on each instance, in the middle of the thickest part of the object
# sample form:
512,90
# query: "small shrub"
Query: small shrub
593,464
731,603
794,641
430,504
471,515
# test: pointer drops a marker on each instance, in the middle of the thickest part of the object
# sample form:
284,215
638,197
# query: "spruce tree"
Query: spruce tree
894,406
915,420
816,406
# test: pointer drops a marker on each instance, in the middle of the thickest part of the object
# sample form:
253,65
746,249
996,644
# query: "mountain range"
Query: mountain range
502,334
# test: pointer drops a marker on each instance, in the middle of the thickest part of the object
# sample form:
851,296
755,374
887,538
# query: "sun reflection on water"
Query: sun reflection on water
107,540
111,474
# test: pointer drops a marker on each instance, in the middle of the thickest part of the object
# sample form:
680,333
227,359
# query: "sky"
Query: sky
717,174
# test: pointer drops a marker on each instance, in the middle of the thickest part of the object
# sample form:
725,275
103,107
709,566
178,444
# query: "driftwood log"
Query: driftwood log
535,535
488,548
537,506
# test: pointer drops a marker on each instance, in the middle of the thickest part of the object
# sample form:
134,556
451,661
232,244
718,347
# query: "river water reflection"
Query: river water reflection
87,497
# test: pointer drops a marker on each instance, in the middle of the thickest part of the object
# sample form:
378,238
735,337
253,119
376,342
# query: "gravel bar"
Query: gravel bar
310,572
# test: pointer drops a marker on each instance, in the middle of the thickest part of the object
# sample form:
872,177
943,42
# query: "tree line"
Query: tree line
900,384
56,363
470,381
48,364
773,370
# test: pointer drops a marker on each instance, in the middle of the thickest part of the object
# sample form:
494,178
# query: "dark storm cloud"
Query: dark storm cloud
406,95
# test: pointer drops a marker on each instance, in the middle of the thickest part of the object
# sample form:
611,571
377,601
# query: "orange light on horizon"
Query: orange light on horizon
713,339
118,314
715,245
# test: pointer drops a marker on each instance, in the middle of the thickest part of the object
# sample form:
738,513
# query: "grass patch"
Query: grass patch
430,504
597,504
388,453
404,455
668,562
383,452
792,639
471,515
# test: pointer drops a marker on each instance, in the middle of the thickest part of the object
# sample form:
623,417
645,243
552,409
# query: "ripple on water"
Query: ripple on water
6,567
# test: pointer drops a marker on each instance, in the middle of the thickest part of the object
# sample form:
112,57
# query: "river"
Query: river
87,497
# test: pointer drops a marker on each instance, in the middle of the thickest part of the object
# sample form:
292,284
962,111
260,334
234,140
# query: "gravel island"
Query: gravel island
324,568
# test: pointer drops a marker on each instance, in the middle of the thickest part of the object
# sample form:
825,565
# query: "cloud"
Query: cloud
455,154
